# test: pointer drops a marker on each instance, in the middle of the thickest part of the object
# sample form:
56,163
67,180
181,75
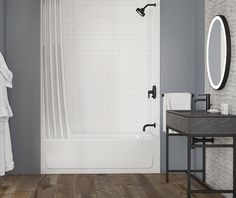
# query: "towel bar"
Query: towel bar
164,95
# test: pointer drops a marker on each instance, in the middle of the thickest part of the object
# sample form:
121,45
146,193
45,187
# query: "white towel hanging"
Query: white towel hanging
175,101
6,157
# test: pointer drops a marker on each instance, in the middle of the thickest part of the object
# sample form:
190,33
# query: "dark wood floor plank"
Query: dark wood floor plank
156,179
65,186
104,184
10,183
131,191
3,189
125,179
86,195
97,186
47,187
84,184
28,183
147,190
21,195
169,191
109,195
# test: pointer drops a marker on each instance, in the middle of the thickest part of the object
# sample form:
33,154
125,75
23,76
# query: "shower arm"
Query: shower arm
154,4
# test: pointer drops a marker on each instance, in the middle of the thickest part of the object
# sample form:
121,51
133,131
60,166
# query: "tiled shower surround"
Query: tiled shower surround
219,161
111,61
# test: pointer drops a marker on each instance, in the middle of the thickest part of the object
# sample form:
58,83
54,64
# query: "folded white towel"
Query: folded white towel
175,101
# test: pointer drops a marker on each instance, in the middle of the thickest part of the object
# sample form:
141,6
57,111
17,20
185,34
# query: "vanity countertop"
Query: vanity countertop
200,114
201,123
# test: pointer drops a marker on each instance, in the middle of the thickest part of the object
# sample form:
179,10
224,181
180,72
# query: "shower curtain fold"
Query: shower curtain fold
54,110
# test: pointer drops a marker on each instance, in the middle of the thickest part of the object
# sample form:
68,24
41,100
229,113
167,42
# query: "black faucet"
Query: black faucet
207,99
148,125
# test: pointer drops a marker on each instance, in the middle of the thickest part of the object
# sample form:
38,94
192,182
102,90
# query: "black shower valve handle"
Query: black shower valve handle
152,92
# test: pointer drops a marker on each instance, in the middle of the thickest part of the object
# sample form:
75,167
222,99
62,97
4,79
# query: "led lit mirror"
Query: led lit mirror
218,52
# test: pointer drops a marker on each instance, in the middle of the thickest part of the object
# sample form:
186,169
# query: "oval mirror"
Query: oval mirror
218,52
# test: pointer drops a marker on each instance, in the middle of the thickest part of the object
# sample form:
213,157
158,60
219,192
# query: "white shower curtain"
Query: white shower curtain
54,110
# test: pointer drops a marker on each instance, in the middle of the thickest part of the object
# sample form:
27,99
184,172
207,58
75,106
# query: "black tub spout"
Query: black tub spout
148,125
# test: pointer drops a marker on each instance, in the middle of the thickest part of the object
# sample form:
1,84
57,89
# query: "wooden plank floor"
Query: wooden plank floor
96,186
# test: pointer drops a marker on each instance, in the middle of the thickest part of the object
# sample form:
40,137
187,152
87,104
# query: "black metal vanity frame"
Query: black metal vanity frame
191,144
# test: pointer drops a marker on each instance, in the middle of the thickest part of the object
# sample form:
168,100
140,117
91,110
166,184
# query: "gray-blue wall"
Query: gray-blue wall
23,58
199,61
199,47
182,61
2,26
182,69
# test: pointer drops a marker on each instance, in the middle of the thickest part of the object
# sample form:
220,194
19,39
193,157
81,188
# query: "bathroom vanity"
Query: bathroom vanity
200,127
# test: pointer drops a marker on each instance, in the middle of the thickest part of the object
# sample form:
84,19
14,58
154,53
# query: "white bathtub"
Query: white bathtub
131,153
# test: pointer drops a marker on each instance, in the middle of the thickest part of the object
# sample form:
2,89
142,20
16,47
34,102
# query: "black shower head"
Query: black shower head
141,11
